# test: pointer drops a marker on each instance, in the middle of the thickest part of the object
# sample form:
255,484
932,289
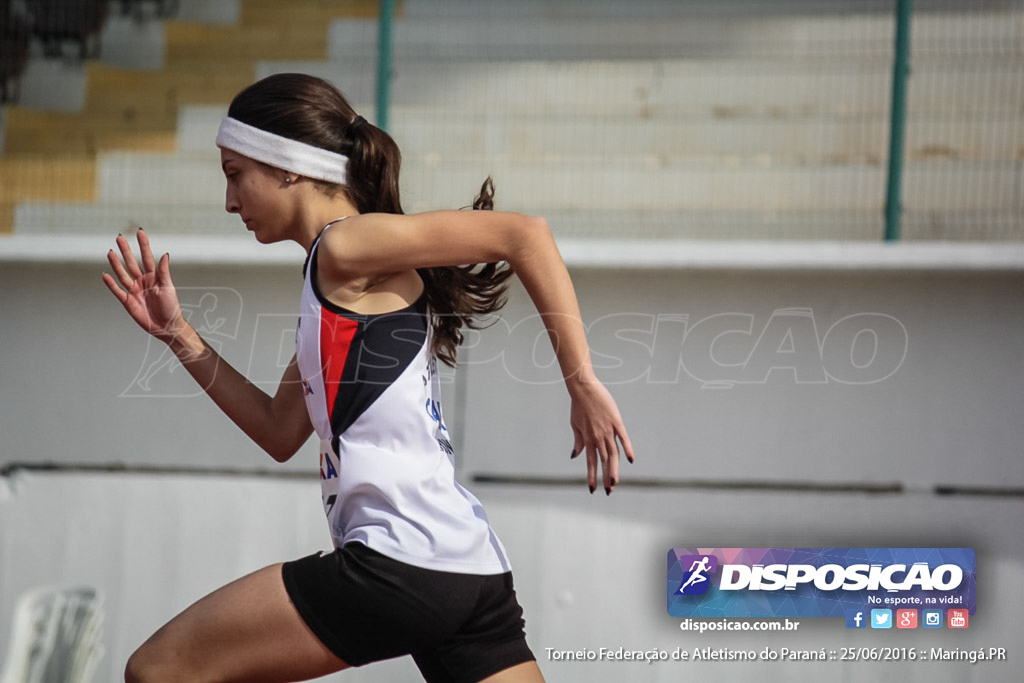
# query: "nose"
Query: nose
231,203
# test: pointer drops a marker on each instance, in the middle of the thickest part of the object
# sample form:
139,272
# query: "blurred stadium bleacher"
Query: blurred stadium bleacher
737,120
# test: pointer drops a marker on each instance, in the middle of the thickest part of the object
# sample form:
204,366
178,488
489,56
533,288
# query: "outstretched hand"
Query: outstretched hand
598,430
146,292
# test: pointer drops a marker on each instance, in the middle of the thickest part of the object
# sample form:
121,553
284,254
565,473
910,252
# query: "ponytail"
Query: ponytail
459,295
374,163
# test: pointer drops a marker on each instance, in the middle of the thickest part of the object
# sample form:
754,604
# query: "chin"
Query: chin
267,239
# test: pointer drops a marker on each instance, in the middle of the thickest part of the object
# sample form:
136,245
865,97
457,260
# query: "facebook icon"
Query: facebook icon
855,618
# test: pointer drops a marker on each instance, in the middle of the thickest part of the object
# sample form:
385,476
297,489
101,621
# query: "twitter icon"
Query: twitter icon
881,618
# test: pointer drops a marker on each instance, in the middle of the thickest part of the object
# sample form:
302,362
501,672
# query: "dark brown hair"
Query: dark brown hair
311,110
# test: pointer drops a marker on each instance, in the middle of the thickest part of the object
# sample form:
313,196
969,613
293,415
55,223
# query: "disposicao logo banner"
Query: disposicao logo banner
817,582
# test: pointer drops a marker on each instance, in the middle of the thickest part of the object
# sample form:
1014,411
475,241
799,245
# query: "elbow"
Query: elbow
282,450
283,432
280,455
533,237
538,229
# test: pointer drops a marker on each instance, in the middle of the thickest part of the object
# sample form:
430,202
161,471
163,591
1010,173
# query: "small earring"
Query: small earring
288,179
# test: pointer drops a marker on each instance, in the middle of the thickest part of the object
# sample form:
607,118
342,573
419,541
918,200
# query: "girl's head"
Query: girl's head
311,110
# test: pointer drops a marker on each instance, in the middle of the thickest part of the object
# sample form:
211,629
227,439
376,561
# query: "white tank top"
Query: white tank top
387,471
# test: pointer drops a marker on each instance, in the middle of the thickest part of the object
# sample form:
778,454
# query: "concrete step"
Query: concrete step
124,108
109,218
428,32
667,9
201,42
185,218
676,87
41,178
936,186
125,42
625,184
307,12
221,12
431,135
58,134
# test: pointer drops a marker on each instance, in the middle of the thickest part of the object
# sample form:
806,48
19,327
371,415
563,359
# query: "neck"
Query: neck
320,214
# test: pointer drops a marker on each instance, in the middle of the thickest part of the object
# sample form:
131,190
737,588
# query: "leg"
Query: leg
527,672
489,646
246,631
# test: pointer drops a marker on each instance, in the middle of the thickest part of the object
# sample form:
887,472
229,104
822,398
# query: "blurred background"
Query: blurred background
796,228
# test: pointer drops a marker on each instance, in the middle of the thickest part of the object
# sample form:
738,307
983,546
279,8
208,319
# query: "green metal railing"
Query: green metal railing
384,33
900,73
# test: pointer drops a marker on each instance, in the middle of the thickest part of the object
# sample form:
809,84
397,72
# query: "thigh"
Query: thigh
527,672
248,630
367,607
489,645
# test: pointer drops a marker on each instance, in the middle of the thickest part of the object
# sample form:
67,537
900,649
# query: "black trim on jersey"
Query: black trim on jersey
316,241
382,347
311,263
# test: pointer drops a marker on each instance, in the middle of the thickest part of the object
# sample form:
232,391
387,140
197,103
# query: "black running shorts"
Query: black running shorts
365,607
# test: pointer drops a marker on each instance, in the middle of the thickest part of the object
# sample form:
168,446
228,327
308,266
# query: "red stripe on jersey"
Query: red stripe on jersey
336,333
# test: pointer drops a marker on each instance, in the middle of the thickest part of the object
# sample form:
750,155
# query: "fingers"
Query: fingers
603,464
598,431
131,266
592,458
126,268
120,273
145,251
610,466
163,271
111,284
627,447
579,447
603,460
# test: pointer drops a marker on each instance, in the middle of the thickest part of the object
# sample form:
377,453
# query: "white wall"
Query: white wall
728,455
796,375
589,570
770,404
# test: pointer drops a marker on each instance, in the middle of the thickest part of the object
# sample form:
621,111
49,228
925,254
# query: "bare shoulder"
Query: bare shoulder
370,245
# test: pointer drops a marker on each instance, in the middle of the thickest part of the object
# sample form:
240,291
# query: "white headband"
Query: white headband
281,152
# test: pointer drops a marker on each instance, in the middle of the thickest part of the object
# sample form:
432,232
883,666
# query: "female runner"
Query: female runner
416,568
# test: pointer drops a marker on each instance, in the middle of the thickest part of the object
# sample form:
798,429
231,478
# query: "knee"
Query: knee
133,670
144,666
136,670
